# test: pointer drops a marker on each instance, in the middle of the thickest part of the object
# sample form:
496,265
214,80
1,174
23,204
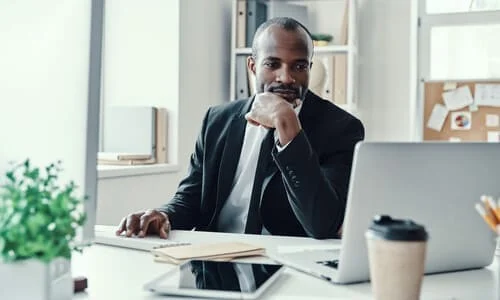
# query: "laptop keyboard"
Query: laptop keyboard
329,263
105,235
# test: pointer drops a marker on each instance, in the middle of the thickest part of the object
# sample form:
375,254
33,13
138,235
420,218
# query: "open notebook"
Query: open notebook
214,251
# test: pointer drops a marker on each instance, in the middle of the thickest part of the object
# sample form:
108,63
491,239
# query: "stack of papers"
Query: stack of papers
219,251
123,158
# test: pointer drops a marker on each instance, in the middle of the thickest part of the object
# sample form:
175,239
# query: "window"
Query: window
140,65
457,6
462,52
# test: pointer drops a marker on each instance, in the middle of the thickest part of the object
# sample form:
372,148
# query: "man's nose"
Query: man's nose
284,76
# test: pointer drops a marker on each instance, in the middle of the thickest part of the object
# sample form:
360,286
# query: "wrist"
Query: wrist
287,126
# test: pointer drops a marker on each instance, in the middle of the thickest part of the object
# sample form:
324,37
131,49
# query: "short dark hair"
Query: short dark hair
283,22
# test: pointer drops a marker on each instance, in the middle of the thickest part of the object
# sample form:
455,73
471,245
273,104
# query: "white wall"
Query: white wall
44,67
387,68
204,53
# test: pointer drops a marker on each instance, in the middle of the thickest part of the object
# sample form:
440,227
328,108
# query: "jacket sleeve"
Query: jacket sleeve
317,190
184,208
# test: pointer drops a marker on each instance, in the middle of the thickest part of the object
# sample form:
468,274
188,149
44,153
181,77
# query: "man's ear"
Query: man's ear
251,64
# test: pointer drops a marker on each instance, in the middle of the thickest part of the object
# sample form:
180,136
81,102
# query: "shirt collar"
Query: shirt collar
298,108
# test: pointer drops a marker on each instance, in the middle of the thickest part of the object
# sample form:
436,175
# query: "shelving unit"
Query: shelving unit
330,49
339,59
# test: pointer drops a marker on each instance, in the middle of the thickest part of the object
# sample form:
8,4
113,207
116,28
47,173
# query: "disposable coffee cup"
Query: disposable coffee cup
396,254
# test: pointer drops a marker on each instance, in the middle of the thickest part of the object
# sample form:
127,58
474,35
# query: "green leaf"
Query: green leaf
38,215
10,176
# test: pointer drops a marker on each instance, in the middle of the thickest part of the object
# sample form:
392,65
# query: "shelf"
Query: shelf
330,49
243,51
110,171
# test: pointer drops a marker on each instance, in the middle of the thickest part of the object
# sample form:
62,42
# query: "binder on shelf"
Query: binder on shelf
161,135
329,88
341,62
256,15
251,83
241,85
241,23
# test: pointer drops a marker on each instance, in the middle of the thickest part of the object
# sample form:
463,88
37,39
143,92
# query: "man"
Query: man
281,159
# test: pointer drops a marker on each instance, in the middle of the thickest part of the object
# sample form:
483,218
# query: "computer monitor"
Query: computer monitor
50,90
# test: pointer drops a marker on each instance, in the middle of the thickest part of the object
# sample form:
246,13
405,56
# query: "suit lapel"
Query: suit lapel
308,110
229,160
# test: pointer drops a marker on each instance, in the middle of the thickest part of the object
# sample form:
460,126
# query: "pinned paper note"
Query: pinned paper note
461,120
473,107
493,136
455,139
458,98
437,118
492,120
487,94
449,86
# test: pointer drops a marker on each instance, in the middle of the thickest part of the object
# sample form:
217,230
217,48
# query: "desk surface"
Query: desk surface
119,273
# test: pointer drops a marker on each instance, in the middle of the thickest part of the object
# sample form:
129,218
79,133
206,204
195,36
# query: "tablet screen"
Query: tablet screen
231,277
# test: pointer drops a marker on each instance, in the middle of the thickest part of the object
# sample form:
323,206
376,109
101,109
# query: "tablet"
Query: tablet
219,280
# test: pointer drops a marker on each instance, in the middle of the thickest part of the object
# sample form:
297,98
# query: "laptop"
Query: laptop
436,184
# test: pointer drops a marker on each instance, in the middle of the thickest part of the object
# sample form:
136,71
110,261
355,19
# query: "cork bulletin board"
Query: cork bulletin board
433,94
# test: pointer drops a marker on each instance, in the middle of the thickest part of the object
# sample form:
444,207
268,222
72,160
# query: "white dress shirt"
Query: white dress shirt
233,215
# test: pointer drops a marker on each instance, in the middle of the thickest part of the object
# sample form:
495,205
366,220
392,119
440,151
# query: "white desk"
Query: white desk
118,273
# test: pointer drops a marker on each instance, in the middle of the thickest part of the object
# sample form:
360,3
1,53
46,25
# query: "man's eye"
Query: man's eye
301,67
270,64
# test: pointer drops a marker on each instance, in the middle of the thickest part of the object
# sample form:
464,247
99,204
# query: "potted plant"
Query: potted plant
39,219
321,39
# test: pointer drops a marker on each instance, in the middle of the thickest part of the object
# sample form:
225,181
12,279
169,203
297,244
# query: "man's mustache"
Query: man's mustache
284,88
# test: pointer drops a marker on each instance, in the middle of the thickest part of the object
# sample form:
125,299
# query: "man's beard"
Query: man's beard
287,91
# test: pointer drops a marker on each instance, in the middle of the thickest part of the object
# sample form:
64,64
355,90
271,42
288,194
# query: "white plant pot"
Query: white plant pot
33,279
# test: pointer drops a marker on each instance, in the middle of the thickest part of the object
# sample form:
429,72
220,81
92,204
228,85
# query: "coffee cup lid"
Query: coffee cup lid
385,227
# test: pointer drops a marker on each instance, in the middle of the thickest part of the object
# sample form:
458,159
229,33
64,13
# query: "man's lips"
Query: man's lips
287,94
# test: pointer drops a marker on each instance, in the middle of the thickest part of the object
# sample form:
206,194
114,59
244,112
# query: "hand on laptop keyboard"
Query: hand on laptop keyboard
145,223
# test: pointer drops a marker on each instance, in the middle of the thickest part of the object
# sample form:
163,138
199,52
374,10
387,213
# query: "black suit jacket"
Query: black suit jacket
307,184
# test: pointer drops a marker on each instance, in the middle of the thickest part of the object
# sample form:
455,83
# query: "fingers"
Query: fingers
164,226
249,118
144,222
132,225
163,233
121,227
297,103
